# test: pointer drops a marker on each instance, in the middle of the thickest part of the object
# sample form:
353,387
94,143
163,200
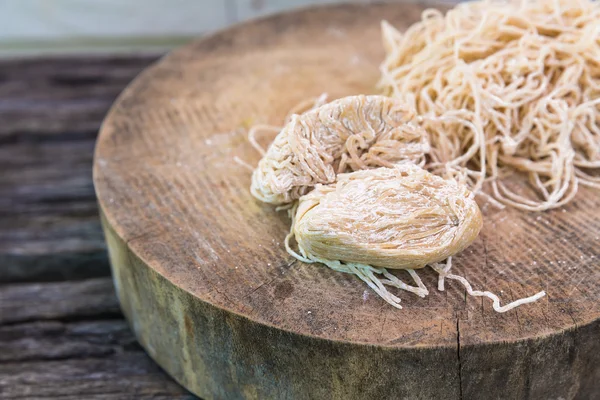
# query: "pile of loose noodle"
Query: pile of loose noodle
505,87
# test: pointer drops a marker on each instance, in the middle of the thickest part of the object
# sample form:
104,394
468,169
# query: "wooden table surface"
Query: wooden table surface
61,331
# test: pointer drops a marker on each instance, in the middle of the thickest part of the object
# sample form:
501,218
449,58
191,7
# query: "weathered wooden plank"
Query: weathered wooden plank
49,226
62,96
55,340
69,77
120,376
89,299
51,110
69,340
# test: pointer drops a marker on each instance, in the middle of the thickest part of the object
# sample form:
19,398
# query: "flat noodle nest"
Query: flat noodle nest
398,218
348,134
505,87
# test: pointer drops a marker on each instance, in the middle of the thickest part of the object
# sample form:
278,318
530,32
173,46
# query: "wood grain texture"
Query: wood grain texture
46,301
68,340
51,110
211,294
63,339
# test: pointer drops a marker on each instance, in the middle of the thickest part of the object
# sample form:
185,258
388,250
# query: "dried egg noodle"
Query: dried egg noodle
402,217
348,134
398,218
505,87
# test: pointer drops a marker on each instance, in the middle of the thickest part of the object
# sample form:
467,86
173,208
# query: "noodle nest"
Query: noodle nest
399,218
348,134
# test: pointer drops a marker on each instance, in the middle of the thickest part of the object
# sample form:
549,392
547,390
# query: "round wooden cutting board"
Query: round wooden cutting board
207,286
